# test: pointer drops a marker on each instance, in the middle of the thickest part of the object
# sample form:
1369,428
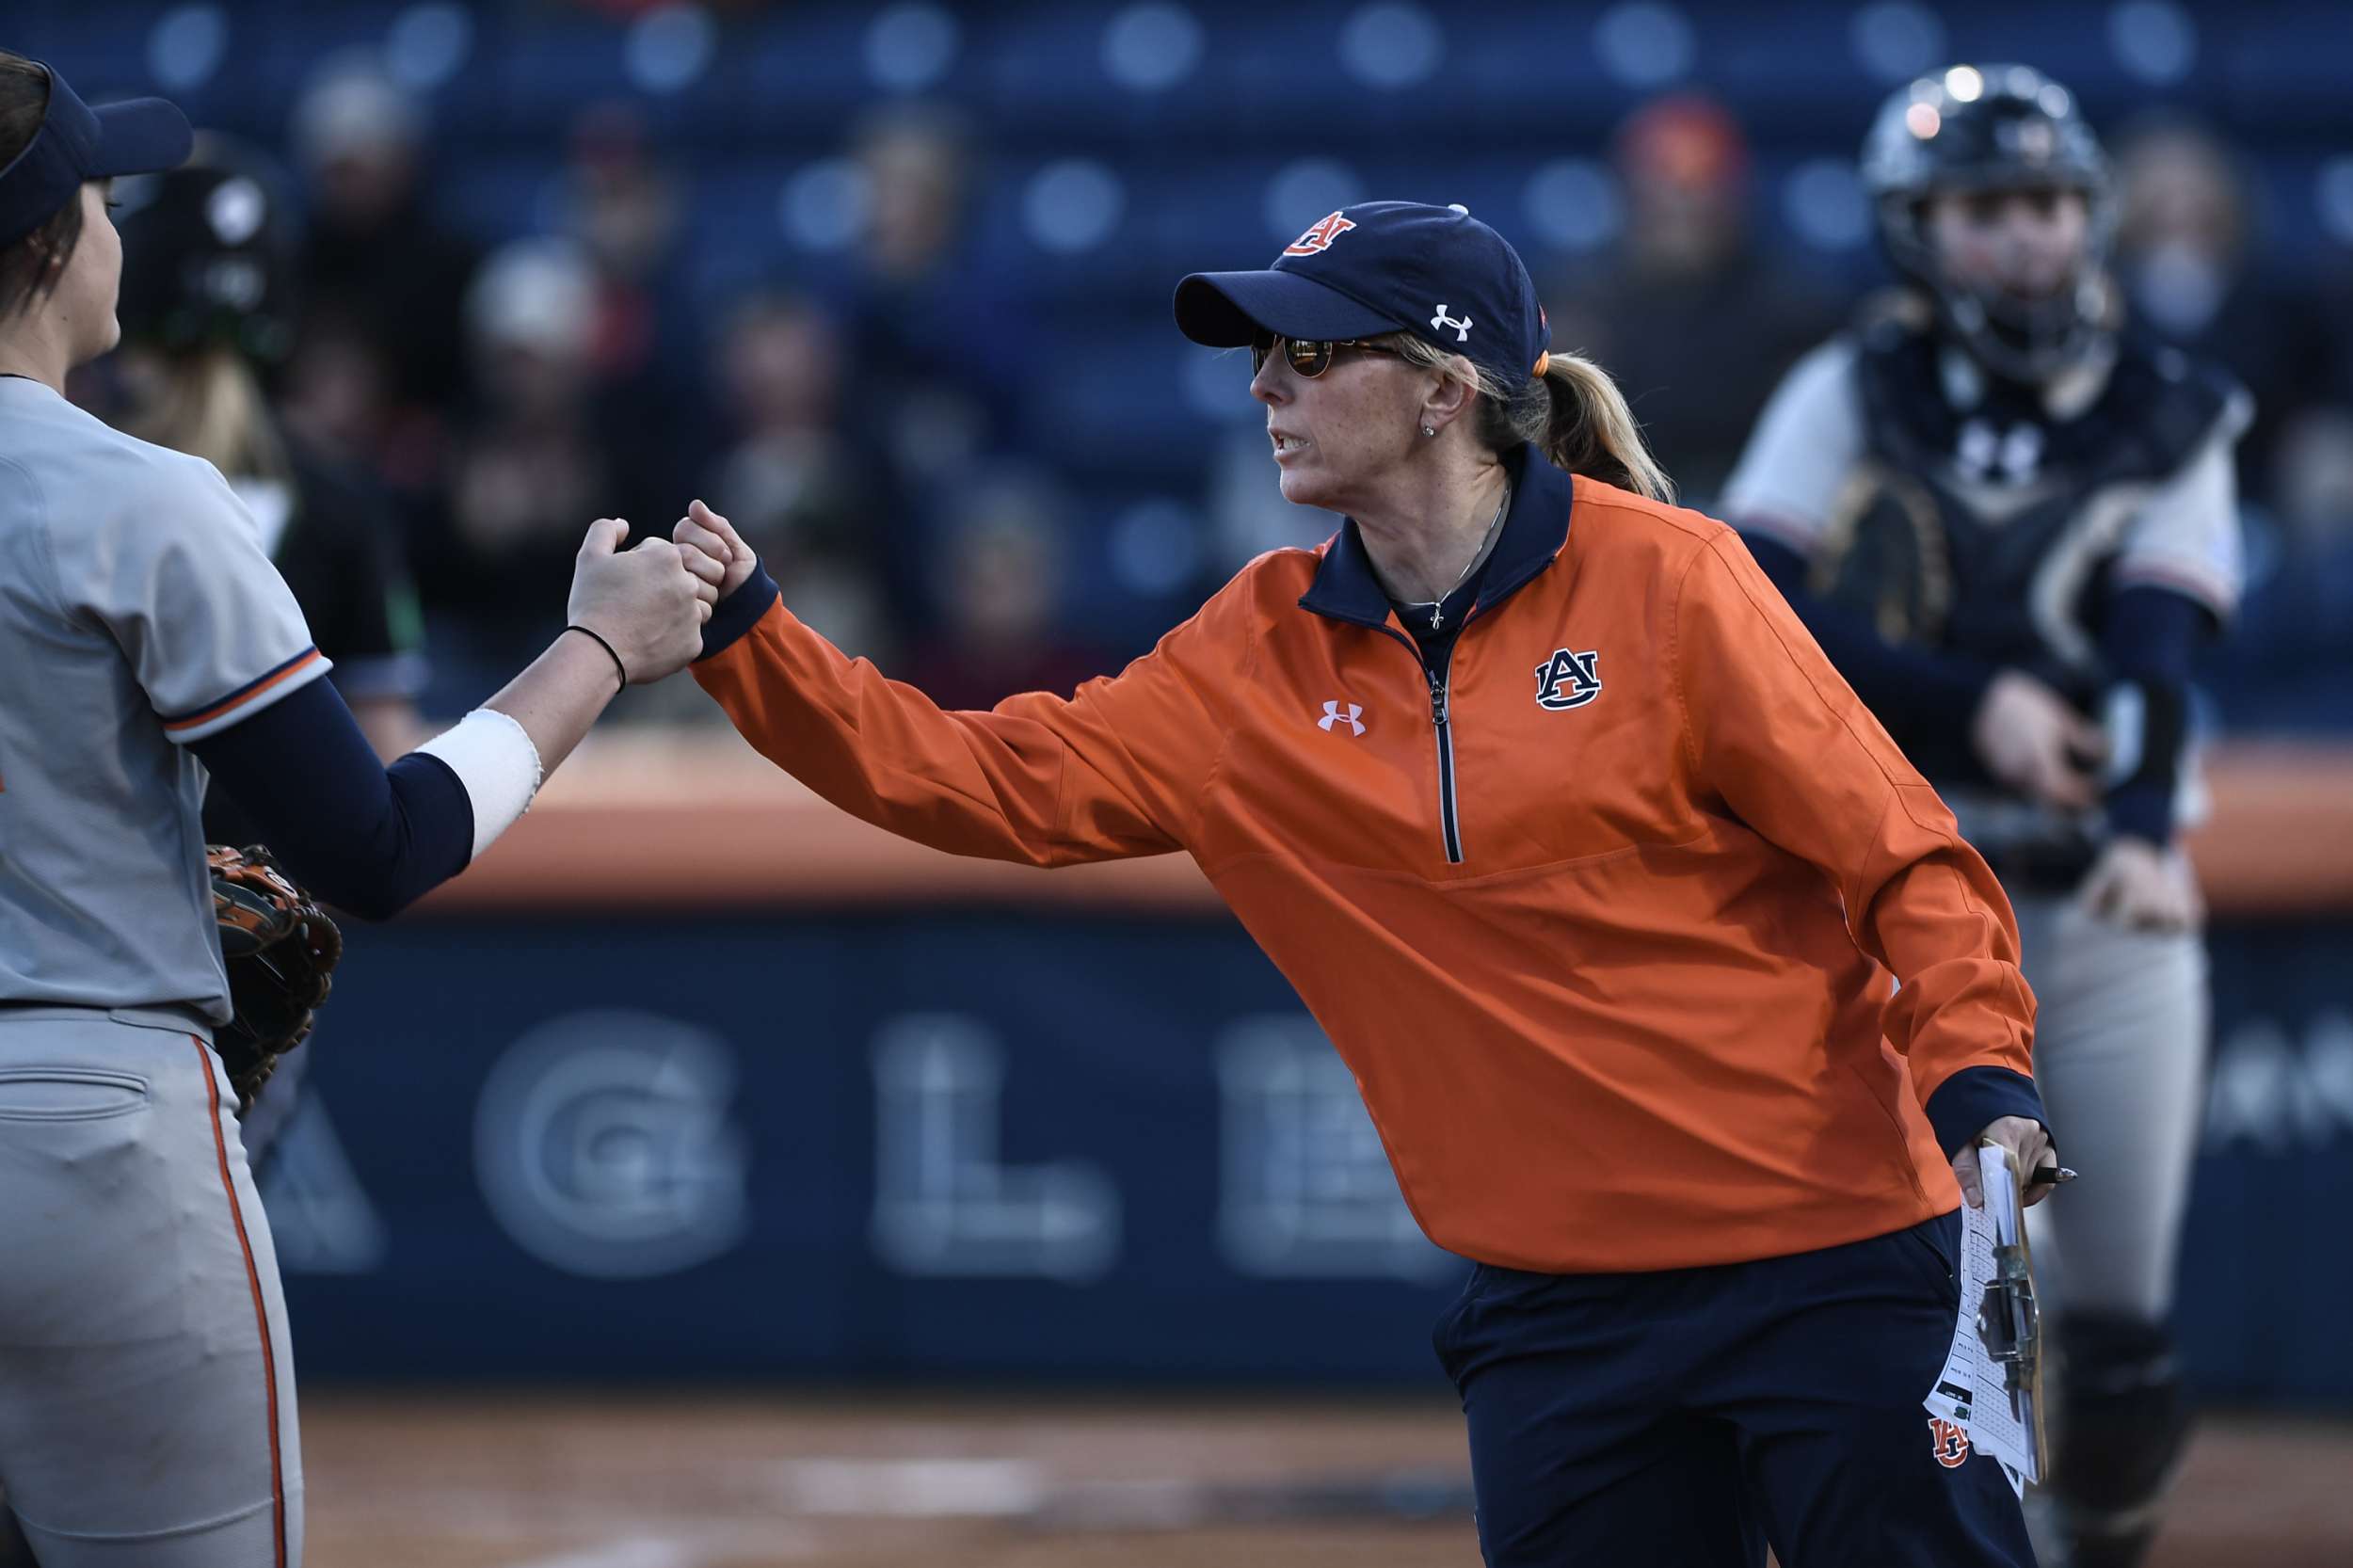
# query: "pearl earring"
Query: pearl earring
1427,431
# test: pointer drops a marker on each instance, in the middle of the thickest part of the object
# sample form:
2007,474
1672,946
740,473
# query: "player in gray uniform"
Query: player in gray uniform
2010,522
147,1410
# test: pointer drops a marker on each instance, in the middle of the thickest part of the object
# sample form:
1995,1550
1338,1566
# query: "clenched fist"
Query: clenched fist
704,534
649,602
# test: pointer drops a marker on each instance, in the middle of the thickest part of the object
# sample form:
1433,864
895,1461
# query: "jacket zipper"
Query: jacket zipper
1441,725
1444,727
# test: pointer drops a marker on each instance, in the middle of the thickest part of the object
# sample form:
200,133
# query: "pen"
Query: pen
2053,1175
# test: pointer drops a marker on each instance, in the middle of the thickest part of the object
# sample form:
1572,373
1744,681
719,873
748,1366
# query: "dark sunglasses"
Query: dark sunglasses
1309,357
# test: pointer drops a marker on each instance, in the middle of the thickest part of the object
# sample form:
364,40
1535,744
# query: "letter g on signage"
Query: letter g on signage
603,1146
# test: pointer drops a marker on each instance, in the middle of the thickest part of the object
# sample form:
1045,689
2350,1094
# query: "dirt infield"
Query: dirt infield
581,1480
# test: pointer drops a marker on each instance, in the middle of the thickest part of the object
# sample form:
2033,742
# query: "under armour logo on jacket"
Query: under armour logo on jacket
1319,236
1351,715
1568,680
1442,320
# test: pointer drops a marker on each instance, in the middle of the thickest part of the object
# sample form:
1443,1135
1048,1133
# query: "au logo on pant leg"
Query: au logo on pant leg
1950,1441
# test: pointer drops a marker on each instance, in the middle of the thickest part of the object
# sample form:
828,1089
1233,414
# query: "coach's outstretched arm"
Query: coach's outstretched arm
1109,772
370,838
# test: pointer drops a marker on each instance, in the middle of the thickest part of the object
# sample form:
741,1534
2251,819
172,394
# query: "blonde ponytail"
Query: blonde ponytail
208,405
1589,430
1569,409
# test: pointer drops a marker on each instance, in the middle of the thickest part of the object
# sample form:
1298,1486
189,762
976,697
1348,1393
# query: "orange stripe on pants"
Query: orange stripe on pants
261,1312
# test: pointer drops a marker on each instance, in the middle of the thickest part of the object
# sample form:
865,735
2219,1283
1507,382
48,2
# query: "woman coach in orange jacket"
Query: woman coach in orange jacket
1594,871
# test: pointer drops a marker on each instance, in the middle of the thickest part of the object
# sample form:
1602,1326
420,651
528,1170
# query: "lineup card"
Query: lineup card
1969,1391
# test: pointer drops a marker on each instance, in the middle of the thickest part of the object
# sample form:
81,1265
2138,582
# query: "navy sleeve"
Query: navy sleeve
739,612
1974,1098
359,835
1916,692
2148,637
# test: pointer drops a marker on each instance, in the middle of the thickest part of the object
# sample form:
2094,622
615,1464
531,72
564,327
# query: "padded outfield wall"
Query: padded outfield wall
1033,1127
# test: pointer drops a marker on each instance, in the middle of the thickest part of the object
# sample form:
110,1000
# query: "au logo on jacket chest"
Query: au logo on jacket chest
1568,680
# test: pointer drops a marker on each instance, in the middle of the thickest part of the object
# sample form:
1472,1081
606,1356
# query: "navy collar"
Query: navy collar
1346,589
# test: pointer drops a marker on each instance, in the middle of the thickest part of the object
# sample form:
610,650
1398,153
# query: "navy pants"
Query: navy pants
1686,1418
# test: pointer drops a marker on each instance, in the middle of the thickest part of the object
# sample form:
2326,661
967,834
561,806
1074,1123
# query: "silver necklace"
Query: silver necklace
1438,610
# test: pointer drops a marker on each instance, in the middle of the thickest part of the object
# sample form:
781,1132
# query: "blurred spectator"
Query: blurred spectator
1696,325
381,359
2185,252
532,466
620,205
646,346
813,501
1000,581
931,348
2182,245
2284,668
935,345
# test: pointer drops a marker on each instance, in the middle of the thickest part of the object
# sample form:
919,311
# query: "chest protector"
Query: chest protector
1992,528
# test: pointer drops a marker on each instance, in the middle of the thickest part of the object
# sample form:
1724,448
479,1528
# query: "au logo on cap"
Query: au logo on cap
1319,236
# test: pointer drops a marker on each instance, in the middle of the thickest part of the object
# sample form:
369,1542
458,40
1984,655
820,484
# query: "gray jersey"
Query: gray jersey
137,614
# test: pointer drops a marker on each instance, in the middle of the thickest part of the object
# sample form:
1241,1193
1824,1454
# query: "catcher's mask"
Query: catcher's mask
1999,127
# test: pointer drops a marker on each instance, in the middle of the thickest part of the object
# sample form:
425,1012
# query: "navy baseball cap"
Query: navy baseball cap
77,143
1383,266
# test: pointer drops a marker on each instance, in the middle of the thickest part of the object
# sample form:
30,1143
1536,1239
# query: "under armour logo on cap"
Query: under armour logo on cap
1442,320
1351,714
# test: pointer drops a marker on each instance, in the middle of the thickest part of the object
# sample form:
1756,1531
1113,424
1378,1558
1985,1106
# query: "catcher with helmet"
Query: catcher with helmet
2011,520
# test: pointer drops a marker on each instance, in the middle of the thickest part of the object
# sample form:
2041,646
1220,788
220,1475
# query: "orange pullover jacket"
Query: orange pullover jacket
1602,924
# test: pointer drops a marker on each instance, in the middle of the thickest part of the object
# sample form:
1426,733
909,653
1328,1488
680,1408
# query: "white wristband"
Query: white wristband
493,758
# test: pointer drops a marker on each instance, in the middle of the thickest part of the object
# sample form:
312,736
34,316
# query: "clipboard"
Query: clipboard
2008,1319
1988,1398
